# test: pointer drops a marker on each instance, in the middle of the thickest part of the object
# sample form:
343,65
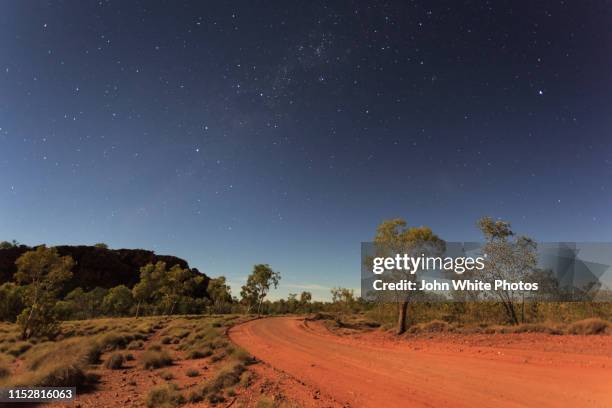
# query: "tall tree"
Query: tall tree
220,294
395,237
43,271
258,285
147,289
176,284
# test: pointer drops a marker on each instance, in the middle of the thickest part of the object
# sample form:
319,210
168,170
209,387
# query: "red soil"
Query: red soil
376,369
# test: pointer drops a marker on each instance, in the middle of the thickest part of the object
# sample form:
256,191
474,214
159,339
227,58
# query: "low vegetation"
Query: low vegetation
164,396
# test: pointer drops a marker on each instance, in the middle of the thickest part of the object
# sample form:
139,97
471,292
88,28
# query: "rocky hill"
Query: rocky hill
99,267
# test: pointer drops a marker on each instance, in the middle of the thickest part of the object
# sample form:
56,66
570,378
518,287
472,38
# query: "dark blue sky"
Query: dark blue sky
244,132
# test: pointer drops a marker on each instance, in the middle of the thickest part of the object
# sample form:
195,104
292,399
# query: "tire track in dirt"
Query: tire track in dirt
368,374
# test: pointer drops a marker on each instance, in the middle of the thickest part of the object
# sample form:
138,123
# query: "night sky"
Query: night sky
235,133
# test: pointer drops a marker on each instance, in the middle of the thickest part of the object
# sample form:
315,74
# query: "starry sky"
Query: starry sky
243,132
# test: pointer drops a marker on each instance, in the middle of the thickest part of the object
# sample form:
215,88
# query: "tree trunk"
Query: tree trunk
137,309
401,321
511,312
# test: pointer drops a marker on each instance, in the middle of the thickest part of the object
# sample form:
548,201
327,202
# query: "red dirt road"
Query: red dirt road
370,372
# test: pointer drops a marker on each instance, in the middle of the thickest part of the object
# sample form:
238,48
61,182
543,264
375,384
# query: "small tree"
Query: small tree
118,301
9,245
305,299
43,272
507,258
394,237
258,285
101,245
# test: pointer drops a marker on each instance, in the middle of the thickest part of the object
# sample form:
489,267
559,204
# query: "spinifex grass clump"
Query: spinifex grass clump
152,359
164,396
114,361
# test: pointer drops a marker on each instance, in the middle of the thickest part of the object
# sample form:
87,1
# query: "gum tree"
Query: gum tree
395,237
258,285
508,257
43,272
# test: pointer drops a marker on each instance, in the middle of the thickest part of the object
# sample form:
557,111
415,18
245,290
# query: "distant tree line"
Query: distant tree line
33,298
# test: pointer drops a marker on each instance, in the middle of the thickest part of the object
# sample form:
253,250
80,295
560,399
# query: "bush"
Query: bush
115,361
164,396
166,375
155,359
19,348
590,326
5,366
136,345
192,373
434,326
218,357
196,354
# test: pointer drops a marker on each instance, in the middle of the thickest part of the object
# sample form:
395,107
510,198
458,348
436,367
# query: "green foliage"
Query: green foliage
167,288
395,237
258,285
79,304
147,289
177,284
11,301
118,301
101,245
220,294
42,272
8,245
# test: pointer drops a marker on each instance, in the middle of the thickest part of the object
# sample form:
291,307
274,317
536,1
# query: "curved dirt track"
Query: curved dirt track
366,373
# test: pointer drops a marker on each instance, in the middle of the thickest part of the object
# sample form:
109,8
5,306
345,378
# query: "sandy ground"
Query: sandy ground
378,370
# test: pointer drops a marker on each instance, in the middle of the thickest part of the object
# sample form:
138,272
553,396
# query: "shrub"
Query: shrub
590,326
195,397
129,357
19,348
265,402
166,375
196,354
218,357
192,373
155,359
115,361
136,345
164,396
5,366
166,340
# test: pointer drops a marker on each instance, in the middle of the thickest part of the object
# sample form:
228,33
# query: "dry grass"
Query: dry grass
192,373
590,326
65,361
152,359
81,345
114,361
5,366
164,396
